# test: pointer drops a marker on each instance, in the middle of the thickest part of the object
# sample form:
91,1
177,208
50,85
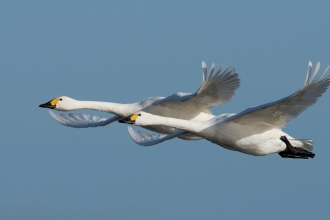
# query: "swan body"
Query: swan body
255,131
215,90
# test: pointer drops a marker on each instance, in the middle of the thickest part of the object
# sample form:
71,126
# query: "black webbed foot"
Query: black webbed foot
294,152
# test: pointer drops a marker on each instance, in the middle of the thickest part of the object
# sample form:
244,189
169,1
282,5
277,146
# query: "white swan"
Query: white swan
215,90
255,131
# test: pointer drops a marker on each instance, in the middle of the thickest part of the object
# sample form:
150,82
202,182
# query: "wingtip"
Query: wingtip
213,66
133,133
203,64
53,114
130,129
309,71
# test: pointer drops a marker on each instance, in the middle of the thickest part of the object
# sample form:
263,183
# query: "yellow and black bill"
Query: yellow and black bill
129,120
51,104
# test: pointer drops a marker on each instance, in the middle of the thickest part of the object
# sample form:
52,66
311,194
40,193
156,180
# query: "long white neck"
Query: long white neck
115,108
190,126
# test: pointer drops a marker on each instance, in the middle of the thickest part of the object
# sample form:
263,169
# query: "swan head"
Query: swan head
62,103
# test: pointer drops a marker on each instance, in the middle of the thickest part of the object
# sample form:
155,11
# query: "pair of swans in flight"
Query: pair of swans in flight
255,131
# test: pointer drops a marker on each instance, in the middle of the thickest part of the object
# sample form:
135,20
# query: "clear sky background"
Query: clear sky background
125,51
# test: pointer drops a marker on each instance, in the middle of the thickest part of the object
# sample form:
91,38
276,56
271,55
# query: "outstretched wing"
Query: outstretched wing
148,139
215,90
82,120
278,113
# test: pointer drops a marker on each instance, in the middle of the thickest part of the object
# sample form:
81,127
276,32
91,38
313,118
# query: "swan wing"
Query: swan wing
216,89
148,139
82,120
278,113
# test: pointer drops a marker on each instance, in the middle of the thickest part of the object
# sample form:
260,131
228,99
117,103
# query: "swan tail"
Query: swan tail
305,144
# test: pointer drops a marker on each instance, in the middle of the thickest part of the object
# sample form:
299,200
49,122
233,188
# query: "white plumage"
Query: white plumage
216,89
255,131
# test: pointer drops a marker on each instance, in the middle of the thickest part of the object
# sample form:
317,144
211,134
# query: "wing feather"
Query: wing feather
82,120
149,139
204,70
215,90
278,113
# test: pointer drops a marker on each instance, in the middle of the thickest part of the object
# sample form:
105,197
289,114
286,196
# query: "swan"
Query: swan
258,130
215,90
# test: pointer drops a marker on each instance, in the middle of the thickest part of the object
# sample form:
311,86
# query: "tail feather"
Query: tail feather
307,144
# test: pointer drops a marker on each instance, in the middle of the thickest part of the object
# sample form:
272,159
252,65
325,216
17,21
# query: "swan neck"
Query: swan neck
111,107
190,126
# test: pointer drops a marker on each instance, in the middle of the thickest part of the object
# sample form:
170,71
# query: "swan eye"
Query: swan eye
139,114
60,99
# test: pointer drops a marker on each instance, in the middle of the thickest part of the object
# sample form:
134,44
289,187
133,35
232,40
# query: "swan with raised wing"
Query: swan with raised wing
216,89
257,130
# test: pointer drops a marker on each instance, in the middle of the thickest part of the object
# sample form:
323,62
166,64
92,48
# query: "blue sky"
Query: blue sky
127,51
